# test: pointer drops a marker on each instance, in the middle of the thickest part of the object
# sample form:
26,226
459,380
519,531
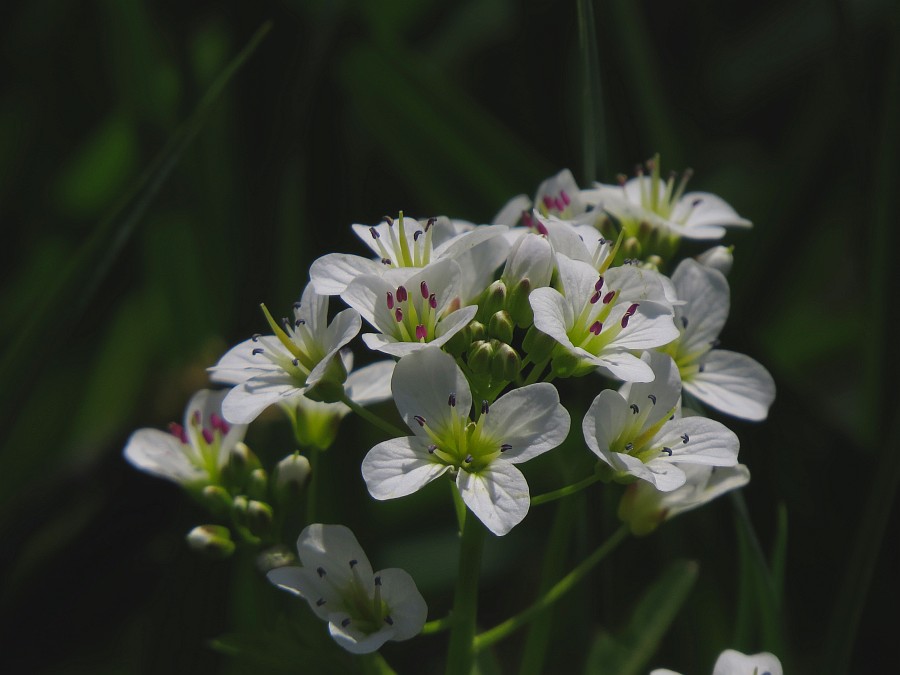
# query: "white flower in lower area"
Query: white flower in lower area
192,453
644,507
269,369
434,398
364,609
411,309
633,430
727,381
731,662
601,318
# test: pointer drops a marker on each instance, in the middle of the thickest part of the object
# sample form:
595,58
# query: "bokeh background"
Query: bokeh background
149,202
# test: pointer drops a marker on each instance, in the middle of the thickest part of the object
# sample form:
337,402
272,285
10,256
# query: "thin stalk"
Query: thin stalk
372,418
565,491
465,603
559,589
437,626
312,486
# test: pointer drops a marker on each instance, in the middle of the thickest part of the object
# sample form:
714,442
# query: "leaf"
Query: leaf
632,649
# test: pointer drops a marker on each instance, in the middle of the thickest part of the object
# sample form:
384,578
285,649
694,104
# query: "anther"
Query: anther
320,602
684,322
378,581
715,343
421,332
286,324
701,368
255,337
298,305
625,320
629,447
431,449
696,203
417,234
177,431
468,459
652,397
398,314
257,351
564,197
385,261
432,301
402,295
388,620
299,322
295,362
634,408
608,297
374,233
420,420
631,310
599,284
423,288
596,327
320,571
353,563
485,407
390,300
685,438
430,223
505,447
388,220
668,451
451,400
345,622
621,179
595,297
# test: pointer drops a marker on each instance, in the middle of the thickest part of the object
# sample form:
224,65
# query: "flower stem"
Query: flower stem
465,602
312,485
565,491
371,417
563,586
437,626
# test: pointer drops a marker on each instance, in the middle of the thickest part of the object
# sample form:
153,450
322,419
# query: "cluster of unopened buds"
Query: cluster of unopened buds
473,325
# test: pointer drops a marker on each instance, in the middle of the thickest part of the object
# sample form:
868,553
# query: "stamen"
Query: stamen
255,337
421,332
596,327
684,322
652,397
320,602
178,432
685,438
208,436
634,408
625,320
257,351
388,620
668,451
299,322
420,420
390,300
608,297
320,571
388,220
423,288
431,449
468,459
632,309
595,297
505,447
599,284
298,305
629,447
353,563
295,362
398,314
374,233
402,295
417,234
195,418
485,407
345,622
451,400
432,301
430,223
385,261
378,581
564,197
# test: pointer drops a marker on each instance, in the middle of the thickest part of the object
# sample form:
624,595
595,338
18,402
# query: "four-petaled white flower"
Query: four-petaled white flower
364,609
601,318
663,205
410,309
727,381
433,397
193,453
557,196
731,662
633,433
268,369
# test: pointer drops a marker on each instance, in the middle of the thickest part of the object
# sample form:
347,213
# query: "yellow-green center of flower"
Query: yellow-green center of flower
461,443
635,437
404,253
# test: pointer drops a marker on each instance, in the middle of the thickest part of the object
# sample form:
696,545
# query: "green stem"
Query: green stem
535,372
465,603
371,417
312,486
565,491
561,587
437,626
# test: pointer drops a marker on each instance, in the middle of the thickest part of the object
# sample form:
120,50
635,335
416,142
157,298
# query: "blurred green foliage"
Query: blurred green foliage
143,224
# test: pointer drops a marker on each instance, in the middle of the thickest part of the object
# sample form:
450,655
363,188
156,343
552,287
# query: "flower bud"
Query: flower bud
519,306
501,326
330,389
240,464
316,424
291,474
506,363
494,298
718,257
459,343
538,345
640,510
216,499
211,540
479,357
476,331
631,248
565,364
531,258
258,484
259,518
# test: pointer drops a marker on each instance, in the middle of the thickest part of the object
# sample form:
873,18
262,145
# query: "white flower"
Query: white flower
412,310
557,196
633,433
644,507
664,206
192,453
731,662
600,318
434,399
405,243
364,609
727,381
268,369
718,257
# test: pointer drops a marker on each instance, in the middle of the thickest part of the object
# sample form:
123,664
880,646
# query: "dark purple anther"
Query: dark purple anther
295,363
208,436
385,261
608,297
527,219
431,449
668,451
652,397
505,447
451,400
548,201
255,337
485,407
634,408
398,314
416,235
685,438
257,351
421,332
419,420
595,298
625,320
431,221
299,322
432,301
596,327
353,563
599,284
345,622
320,571
564,197
696,203
320,602
378,581
684,322
218,423
468,459
402,295
178,432
423,289
541,228
558,203
195,418
631,310
388,620
374,233
390,300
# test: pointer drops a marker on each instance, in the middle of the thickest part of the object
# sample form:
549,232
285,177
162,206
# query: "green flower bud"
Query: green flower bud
506,363
480,355
316,424
501,326
211,540
631,247
494,299
459,343
291,474
258,484
259,518
476,331
640,509
518,305
538,345
330,388
241,462
216,499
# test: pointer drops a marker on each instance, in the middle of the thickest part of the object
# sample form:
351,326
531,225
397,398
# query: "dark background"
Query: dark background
117,295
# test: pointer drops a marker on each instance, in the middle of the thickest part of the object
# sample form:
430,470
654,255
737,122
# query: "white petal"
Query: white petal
408,608
604,422
497,495
651,326
422,384
709,442
710,211
357,642
512,210
161,454
399,467
530,419
371,384
239,363
636,284
663,475
731,662
704,483
246,401
735,384
705,291
466,241
306,583
665,387
624,366
578,279
530,258
367,294
332,273
451,324
552,315
343,329
332,548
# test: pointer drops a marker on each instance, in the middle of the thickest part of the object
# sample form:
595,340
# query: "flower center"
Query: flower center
592,330
559,205
462,443
635,437
400,248
202,444
415,313
368,613
661,197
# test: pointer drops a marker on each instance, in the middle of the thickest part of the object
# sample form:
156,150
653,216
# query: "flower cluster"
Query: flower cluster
476,325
